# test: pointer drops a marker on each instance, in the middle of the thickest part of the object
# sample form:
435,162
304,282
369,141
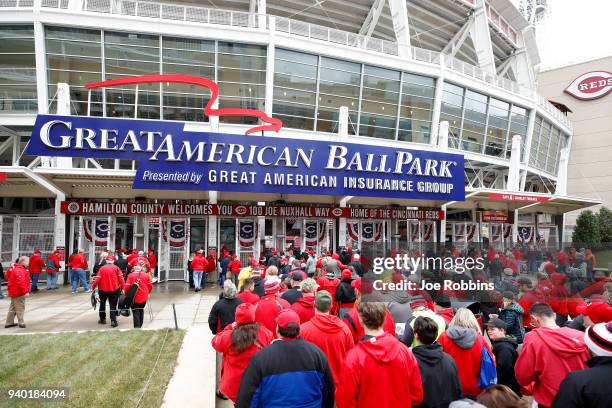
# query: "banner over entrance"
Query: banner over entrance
174,159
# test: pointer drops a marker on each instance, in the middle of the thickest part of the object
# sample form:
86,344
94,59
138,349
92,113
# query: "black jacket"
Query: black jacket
292,295
259,288
439,374
505,359
357,266
272,379
345,293
222,313
587,388
122,263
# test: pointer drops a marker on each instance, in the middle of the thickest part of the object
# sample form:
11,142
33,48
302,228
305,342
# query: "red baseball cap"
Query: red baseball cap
245,313
598,312
288,319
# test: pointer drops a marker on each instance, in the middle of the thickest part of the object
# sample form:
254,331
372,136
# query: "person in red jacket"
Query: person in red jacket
18,288
37,265
442,307
380,371
199,265
305,306
238,342
234,267
327,332
246,293
330,283
78,266
109,282
145,286
463,341
52,269
270,305
528,297
351,318
597,287
152,258
558,297
549,353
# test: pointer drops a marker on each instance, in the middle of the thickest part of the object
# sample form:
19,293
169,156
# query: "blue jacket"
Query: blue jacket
287,374
513,317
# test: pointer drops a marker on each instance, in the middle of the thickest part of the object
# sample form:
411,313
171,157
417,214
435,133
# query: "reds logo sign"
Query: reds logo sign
592,85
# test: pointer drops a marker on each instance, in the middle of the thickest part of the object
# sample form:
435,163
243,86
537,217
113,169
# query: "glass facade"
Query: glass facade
17,70
481,124
382,103
308,89
546,146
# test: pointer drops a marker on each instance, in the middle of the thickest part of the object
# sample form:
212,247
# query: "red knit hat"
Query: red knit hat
245,313
346,274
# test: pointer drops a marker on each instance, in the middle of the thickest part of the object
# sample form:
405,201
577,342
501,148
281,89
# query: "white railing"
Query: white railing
147,9
500,24
553,111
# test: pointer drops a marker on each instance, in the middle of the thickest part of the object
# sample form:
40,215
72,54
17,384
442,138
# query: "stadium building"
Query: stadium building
403,122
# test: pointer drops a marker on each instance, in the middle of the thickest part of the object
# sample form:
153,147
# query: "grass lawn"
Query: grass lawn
101,369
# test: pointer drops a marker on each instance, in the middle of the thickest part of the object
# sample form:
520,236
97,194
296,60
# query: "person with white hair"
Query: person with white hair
223,311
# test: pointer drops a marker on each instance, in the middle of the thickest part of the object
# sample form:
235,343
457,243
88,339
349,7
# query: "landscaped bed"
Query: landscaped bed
99,369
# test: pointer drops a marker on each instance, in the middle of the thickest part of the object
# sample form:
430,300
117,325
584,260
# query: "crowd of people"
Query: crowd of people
123,279
542,334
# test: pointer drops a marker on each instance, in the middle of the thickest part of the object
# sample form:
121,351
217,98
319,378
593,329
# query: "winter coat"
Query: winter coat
54,257
345,294
292,295
465,347
17,280
587,388
291,373
305,308
398,303
109,278
234,363
268,308
513,317
330,285
379,372
78,261
235,266
506,355
259,289
145,286
439,374
199,263
332,336
222,313
351,320
558,296
37,265
547,356
248,297
357,266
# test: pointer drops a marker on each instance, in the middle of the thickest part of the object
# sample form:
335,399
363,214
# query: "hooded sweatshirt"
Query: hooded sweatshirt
304,307
332,336
439,374
465,347
379,372
513,317
398,303
548,355
505,353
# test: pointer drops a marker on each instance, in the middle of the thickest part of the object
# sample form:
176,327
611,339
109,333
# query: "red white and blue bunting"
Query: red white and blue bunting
247,233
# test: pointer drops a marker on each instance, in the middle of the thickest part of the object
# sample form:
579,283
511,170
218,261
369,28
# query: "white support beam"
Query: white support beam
399,16
561,188
481,37
459,38
369,24
528,142
515,165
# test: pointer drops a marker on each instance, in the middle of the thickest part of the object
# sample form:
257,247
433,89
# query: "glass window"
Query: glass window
452,111
17,69
415,108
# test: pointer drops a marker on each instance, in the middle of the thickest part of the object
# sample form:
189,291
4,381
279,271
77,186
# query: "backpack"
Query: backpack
50,263
488,372
126,301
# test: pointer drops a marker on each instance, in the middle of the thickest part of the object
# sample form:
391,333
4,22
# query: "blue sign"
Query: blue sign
171,158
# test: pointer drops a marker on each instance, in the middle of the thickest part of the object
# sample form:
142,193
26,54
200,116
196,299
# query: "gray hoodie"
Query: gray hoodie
462,337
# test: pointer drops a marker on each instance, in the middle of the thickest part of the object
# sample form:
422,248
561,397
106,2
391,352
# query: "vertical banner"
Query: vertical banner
87,230
507,232
177,234
472,232
459,232
415,231
367,232
525,234
352,229
247,233
428,231
310,233
101,228
495,233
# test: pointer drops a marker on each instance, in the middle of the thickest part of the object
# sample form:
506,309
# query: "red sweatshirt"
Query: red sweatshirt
332,336
304,307
109,278
548,355
268,308
234,363
379,372
248,297
78,261
199,263
234,266
528,299
36,264
56,263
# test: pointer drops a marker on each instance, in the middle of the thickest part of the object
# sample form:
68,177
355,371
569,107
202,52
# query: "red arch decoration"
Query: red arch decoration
272,123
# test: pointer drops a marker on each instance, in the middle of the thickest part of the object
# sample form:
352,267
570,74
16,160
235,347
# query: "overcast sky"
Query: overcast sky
575,31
